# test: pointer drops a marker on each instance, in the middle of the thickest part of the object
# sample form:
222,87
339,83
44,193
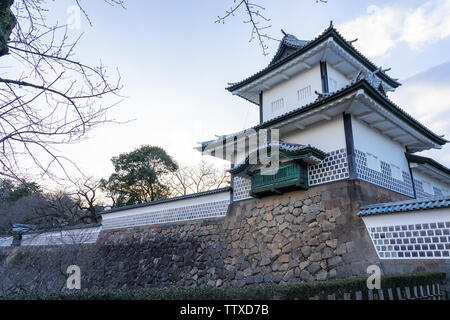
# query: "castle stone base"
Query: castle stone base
312,235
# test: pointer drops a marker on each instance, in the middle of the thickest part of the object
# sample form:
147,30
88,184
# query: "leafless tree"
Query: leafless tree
256,18
193,179
45,211
87,193
47,97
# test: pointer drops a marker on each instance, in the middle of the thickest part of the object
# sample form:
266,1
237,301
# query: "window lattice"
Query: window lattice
304,93
277,105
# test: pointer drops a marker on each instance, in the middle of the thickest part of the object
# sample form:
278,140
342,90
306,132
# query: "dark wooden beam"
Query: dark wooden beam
411,174
324,76
350,146
261,107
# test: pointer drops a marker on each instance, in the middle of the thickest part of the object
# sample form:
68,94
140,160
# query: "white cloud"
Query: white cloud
382,28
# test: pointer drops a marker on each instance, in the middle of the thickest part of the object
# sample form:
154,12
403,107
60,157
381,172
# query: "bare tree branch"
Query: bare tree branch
255,18
194,179
47,97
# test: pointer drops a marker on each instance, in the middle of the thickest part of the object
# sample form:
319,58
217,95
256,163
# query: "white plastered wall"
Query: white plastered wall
369,140
64,237
287,90
326,135
201,207
338,77
6,241
433,182
411,235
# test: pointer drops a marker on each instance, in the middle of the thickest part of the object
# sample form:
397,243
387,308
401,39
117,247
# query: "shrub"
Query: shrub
302,291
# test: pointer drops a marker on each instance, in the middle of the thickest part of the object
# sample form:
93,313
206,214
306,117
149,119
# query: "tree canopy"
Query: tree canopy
10,192
138,176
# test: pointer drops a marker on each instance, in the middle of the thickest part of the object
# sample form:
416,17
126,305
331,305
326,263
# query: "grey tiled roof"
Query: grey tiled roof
152,203
330,31
290,147
289,41
405,206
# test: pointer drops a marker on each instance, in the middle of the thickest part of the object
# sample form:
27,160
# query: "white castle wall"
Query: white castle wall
241,188
200,207
414,235
437,188
6,241
63,237
369,140
326,135
287,90
336,76
379,160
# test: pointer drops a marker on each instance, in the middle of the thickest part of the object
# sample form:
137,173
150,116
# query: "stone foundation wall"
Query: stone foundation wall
301,236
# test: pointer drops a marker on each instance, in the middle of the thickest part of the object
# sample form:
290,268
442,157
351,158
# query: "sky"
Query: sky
175,63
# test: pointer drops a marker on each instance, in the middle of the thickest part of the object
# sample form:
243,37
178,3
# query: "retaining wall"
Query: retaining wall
312,235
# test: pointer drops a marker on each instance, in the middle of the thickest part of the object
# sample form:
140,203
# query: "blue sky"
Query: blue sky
175,63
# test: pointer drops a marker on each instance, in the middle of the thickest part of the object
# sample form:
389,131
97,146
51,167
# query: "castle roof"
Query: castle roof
429,166
292,49
288,45
378,111
405,206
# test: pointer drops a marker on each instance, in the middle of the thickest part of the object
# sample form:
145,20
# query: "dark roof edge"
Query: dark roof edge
328,32
402,202
390,207
304,151
152,203
424,160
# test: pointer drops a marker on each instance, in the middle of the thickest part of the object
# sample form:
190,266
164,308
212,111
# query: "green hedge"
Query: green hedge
301,291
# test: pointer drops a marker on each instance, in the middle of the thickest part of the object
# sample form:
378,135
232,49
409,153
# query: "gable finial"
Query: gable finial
283,32
331,24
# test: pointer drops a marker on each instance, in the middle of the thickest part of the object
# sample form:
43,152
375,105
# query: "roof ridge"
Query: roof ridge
405,206
407,202
329,29
417,159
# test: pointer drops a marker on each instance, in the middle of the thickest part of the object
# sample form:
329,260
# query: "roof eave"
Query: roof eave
339,39
424,160
373,93
297,155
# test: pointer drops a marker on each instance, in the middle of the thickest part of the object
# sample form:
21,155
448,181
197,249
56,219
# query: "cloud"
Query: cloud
425,97
382,28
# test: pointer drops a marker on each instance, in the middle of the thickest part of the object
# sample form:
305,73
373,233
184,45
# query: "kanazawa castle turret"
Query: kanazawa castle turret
334,121
327,184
